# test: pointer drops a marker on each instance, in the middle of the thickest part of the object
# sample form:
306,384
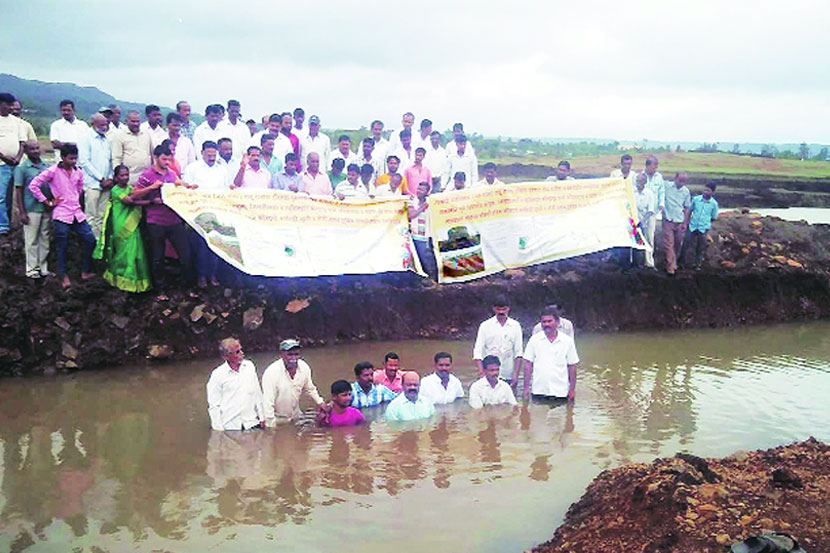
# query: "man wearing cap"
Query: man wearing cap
95,159
315,141
284,381
233,393
500,335
461,160
410,405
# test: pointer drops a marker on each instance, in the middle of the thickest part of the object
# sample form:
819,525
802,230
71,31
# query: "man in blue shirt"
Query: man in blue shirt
95,159
365,393
704,210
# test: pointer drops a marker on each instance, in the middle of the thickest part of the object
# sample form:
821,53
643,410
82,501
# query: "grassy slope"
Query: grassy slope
715,163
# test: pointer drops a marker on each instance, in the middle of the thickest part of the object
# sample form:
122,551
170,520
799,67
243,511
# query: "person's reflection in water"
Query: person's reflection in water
541,432
490,452
439,443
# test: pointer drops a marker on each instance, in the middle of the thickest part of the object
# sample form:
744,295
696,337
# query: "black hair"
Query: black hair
257,148
367,169
224,139
338,162
161,150
391,355
290,156
362,366
443,355
421,149
396,158
369,140
625,157
7,98
353,167
500,301
344,137
214,108
266,136
340,386
209,144
489,165
490,360
68,149
67,103
425,123
234,103
173,116
151,108
406,133
564,163
299,111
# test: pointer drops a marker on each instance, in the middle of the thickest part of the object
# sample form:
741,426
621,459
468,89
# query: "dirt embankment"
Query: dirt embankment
759,270
685,504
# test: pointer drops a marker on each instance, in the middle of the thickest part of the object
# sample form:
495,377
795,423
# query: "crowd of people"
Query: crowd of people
238,400
106,185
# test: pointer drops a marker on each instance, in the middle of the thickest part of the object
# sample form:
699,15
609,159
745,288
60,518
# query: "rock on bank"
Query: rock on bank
758,270
686,504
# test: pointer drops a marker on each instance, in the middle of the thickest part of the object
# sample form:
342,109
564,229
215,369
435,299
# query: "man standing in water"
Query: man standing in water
500,336
442,386
284,381
365,393
390,374
550,361
410,405
233,392
490,389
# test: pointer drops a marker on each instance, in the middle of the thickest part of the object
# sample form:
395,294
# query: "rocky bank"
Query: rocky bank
758,270
686,504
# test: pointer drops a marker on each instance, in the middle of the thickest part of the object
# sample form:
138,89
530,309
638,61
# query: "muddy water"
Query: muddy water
124,460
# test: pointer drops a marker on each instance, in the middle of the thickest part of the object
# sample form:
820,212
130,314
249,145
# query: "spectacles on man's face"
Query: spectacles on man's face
235,351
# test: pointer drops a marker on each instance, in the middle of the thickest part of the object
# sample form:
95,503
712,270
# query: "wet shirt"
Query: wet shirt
703,213
503,341
376,395
482,393
234,397
67,185
281,393
432,388
550,363
396,385
401,409
349,417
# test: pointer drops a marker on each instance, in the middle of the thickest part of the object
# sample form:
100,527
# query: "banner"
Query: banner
278,233
485,230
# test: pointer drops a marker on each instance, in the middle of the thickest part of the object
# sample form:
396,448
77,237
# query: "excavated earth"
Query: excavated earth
686,504
759,270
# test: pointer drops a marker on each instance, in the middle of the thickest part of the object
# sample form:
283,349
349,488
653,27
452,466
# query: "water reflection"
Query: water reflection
107,459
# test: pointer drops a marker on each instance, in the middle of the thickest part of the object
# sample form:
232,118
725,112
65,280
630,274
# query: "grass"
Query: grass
692,162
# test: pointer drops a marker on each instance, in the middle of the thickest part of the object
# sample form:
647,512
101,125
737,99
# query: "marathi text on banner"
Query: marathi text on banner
485,230
277,233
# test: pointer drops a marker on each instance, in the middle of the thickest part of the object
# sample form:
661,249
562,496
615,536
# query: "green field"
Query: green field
692,162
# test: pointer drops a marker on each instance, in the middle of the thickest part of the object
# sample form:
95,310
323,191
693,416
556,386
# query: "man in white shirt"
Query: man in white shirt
436,161
228,158
500,335
233,392
490,178
421,139
564,325
407,121
238,130
213,128
382,146
185,152
209,174
457,133
369,156
655,183
490,389
625,172
153,125
68,129
461,161
550,361
442,386
646,211
344,152
317,142
405,152
299,118
284,382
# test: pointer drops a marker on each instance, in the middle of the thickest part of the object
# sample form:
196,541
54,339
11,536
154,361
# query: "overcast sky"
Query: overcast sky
727,71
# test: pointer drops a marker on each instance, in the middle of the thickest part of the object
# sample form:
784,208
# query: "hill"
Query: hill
40,100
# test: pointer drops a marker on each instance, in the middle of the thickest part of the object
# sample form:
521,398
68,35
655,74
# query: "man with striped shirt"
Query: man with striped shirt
365,393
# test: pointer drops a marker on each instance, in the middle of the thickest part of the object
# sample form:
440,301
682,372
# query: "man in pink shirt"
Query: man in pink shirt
252,174
162,222
341,412
315,182
417,174
390,375
66,182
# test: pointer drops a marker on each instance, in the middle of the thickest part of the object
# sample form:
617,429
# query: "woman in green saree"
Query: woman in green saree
120,245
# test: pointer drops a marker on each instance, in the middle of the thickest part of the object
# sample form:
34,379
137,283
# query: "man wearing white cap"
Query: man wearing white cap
284,381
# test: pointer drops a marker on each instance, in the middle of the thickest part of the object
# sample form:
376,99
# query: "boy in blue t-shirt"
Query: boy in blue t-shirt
704,210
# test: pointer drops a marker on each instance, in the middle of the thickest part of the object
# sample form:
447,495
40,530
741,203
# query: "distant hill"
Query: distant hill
40,100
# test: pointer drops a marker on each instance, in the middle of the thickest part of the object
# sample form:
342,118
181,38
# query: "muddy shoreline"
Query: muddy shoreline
759,270
686,504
